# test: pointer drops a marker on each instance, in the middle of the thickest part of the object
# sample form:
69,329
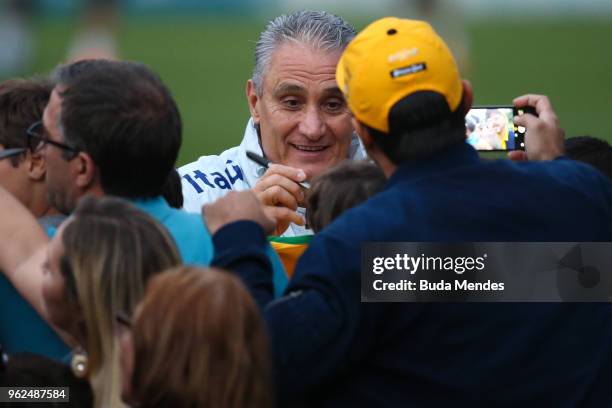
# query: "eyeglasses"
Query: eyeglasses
11,152
37,139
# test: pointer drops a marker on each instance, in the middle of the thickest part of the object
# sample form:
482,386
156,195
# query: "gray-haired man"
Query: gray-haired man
299,120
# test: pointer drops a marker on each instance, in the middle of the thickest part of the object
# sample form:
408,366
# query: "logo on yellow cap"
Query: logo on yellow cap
393,58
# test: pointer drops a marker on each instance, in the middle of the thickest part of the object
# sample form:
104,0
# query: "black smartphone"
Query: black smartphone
491,128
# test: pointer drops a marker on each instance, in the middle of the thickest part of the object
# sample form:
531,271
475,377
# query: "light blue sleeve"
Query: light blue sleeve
279,275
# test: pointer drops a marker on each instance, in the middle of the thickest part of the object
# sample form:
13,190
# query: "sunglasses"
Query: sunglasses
11,152
37,139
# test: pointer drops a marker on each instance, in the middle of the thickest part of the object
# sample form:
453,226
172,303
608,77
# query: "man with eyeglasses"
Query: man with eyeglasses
113,128
110,128
22,174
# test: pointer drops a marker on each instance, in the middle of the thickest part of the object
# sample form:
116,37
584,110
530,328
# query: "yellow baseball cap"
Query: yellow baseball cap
391,59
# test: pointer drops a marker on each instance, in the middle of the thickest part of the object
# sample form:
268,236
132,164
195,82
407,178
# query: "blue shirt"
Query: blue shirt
194,241
188,230
21,327
332,350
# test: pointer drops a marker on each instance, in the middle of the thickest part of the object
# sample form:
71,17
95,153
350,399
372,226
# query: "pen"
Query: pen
262,161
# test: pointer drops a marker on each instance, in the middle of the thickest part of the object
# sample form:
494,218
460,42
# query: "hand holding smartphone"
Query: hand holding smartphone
491,128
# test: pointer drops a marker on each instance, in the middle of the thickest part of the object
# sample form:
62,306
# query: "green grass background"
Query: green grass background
207,61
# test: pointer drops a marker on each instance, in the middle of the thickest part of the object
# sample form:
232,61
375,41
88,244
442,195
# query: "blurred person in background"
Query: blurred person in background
447,18
96,265
299,120
346,352
16,46
170,359
23,174
96,37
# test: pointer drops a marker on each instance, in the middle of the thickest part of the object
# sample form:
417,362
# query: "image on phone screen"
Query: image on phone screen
491,128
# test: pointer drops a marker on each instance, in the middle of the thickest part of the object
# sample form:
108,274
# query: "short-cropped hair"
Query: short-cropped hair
22,102
340,188
122,115
420,125
588,149
317,29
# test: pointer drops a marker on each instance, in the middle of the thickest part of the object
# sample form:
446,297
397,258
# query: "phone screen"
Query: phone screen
491,128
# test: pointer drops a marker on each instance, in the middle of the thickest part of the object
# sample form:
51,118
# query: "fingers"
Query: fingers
280,181
268,223
542,105
526,120
278,196
284,215
517,155
278,184
278,172
543,135
289,172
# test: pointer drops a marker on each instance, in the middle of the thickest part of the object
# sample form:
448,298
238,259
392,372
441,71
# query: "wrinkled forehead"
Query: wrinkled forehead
294,65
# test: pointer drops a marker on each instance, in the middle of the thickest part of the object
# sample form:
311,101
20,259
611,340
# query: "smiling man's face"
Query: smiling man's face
303,118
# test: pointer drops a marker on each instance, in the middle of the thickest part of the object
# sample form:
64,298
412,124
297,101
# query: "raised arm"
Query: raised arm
22,251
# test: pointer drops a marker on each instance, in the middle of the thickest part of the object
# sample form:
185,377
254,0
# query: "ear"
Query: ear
36,165
253,100
468,96
86,170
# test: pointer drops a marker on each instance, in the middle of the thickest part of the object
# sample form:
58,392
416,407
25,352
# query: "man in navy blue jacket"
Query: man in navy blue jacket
330,349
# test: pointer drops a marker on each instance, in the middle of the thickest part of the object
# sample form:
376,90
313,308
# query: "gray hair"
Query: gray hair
318,29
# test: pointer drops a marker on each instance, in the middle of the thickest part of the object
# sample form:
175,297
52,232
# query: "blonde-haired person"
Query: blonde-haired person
97,265
498,124
197,340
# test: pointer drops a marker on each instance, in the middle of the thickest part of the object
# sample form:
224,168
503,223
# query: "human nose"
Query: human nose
312,125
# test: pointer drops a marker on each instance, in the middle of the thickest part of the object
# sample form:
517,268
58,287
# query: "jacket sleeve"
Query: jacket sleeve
241,247
313,325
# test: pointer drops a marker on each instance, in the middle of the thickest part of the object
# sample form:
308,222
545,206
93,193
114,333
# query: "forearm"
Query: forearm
21,235
317,316
309,335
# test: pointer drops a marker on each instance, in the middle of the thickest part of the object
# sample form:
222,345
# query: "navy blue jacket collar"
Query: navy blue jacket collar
457,156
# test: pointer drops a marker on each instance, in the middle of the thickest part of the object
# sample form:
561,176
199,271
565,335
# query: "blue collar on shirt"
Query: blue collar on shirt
457,156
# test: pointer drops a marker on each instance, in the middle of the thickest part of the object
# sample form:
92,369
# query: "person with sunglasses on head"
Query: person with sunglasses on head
23,174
